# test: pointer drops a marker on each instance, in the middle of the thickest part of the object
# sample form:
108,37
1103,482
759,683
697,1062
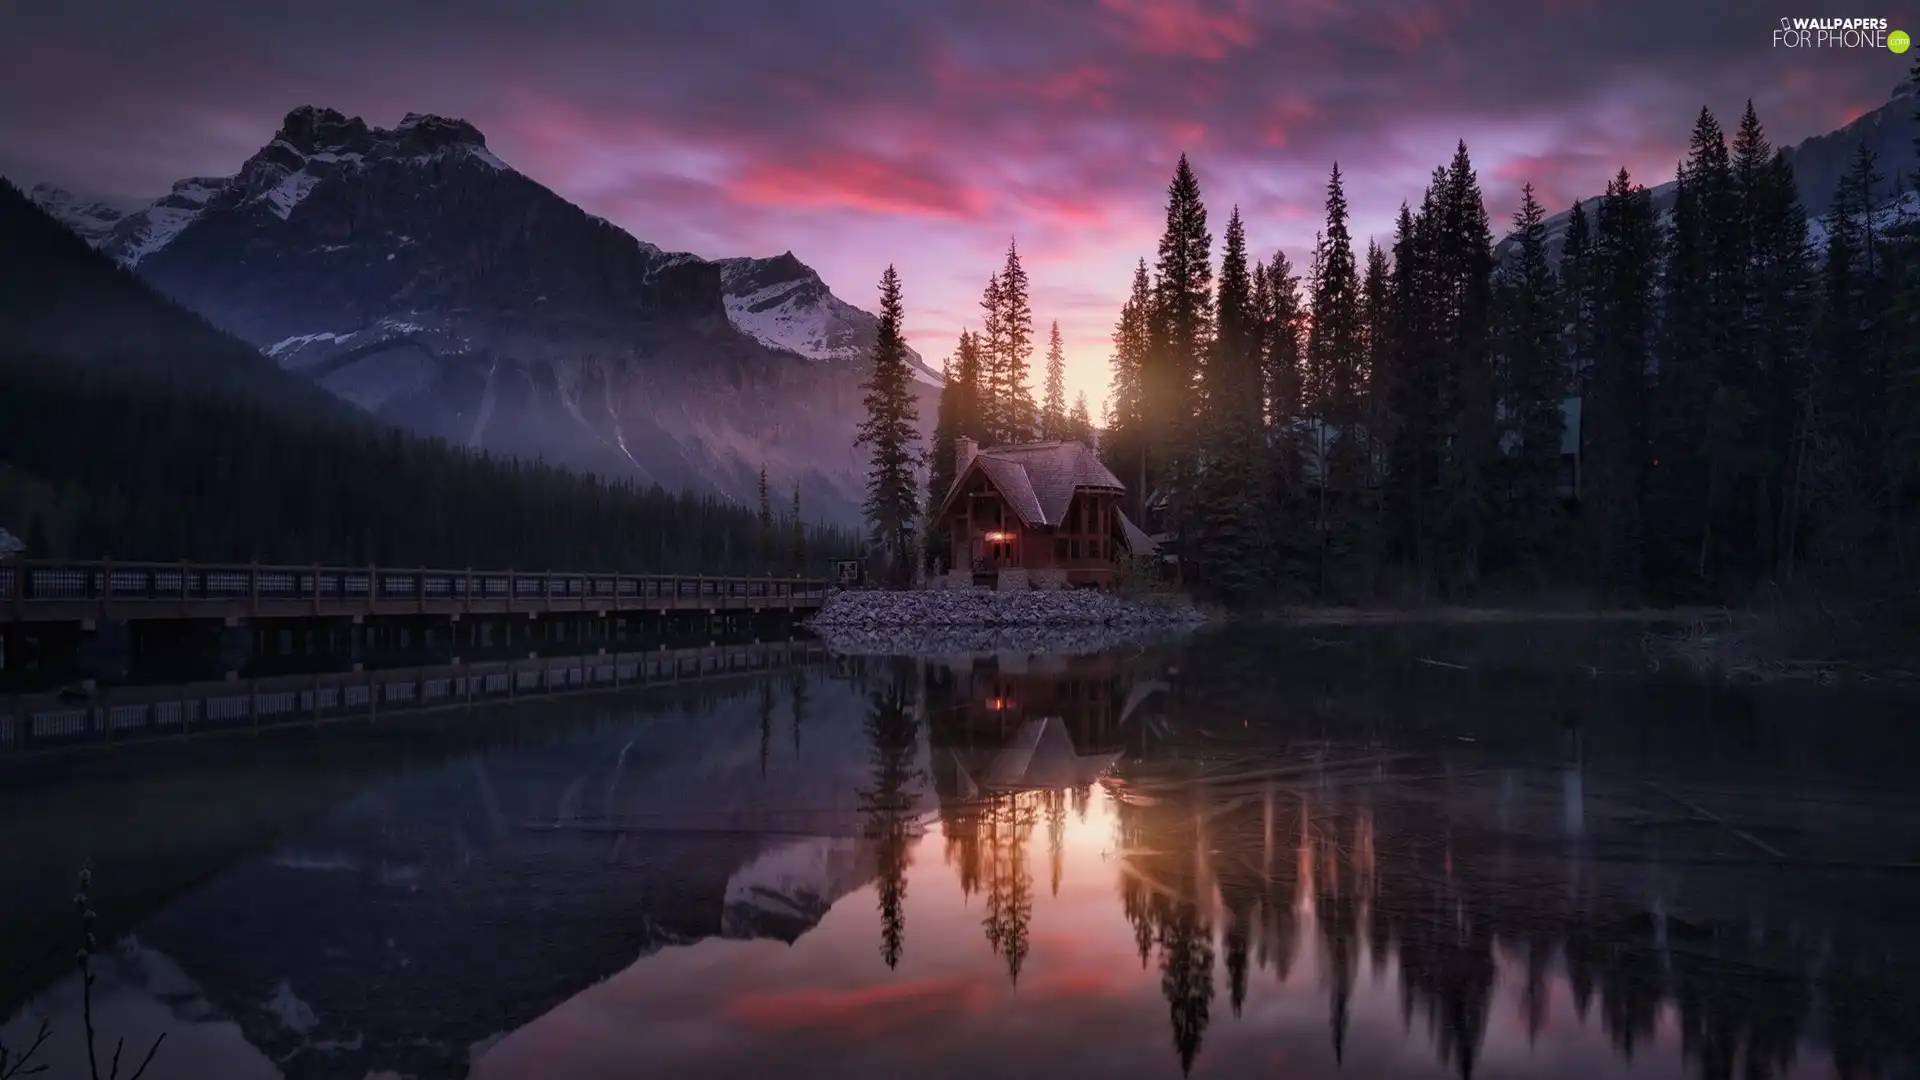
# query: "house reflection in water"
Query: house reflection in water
1017,743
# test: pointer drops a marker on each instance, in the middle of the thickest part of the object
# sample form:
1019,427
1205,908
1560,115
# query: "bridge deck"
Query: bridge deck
40,591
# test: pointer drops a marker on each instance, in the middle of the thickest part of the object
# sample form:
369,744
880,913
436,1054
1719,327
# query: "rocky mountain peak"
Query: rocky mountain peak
310,130
432,132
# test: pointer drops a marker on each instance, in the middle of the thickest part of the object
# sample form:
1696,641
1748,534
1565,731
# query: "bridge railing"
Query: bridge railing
43,722
27,583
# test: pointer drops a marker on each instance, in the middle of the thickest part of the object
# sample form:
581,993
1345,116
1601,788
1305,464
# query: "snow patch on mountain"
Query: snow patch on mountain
132,235
286,349
783,304
1902,211
93,219
289,193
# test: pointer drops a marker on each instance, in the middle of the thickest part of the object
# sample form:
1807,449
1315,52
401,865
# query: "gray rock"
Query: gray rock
959,621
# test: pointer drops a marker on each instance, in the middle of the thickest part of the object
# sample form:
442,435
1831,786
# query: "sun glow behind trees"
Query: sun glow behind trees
1411,404
1396,422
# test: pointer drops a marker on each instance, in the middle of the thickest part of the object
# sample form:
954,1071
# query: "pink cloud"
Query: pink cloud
1188,29
847,180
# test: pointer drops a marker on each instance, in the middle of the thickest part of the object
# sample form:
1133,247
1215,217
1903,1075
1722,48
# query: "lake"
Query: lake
1493,851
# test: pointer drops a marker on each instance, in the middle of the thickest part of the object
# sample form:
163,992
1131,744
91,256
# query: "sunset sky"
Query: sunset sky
927,133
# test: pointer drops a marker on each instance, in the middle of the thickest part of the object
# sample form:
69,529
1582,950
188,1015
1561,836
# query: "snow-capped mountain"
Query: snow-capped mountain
92,219
787,890
782,303
414,273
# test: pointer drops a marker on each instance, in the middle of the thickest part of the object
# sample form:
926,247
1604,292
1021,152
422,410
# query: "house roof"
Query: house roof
1038,479
1138,542
1041,756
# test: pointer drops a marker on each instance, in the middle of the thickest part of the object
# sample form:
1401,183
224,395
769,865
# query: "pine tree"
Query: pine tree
1531,374
958,413
1282,348
1776,313
1336,364
1465,259
1376,312
1126,443
1614,412
890,434
1283,366
1698,418
1230,518
942,455
1053,409
1179,329
1414,388
1019,418
1842,476
797,543
994,428
766,518
1079,421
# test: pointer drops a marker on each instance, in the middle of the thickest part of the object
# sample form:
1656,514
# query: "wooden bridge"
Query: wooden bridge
42,723
87,592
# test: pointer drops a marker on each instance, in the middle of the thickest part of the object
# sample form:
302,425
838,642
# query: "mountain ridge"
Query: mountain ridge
413,273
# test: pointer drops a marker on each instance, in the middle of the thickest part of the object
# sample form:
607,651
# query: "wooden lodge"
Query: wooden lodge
1048,512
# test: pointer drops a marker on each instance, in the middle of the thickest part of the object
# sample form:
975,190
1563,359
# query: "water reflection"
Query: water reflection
1300,859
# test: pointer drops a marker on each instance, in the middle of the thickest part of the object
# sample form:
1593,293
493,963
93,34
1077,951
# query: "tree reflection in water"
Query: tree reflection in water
887,804
1414,864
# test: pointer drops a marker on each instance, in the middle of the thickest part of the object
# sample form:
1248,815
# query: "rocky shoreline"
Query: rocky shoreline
952,621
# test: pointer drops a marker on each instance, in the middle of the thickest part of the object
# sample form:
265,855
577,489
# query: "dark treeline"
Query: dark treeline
93,466
1403,420
131,428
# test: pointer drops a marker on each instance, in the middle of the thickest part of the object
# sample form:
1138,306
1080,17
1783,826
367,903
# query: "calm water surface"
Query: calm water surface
1414,853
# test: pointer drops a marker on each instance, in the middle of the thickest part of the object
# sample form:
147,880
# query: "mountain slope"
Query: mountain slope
62,302
415,274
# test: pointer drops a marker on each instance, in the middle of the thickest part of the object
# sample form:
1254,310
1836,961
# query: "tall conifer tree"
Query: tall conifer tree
1126,446
1230,515
1614,412
1179,330
1080,421
891,436
994,428
1465,259
1019,418
1336,363
1053,407
1531,373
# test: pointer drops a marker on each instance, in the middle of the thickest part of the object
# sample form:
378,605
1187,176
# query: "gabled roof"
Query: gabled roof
1138,542
1041,756
1038,479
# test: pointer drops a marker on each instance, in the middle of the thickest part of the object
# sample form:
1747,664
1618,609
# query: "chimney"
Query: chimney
964,449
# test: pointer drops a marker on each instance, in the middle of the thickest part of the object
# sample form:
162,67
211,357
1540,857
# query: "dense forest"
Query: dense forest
130,428
1686,406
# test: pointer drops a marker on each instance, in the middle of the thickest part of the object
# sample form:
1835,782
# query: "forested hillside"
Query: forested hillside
130,428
